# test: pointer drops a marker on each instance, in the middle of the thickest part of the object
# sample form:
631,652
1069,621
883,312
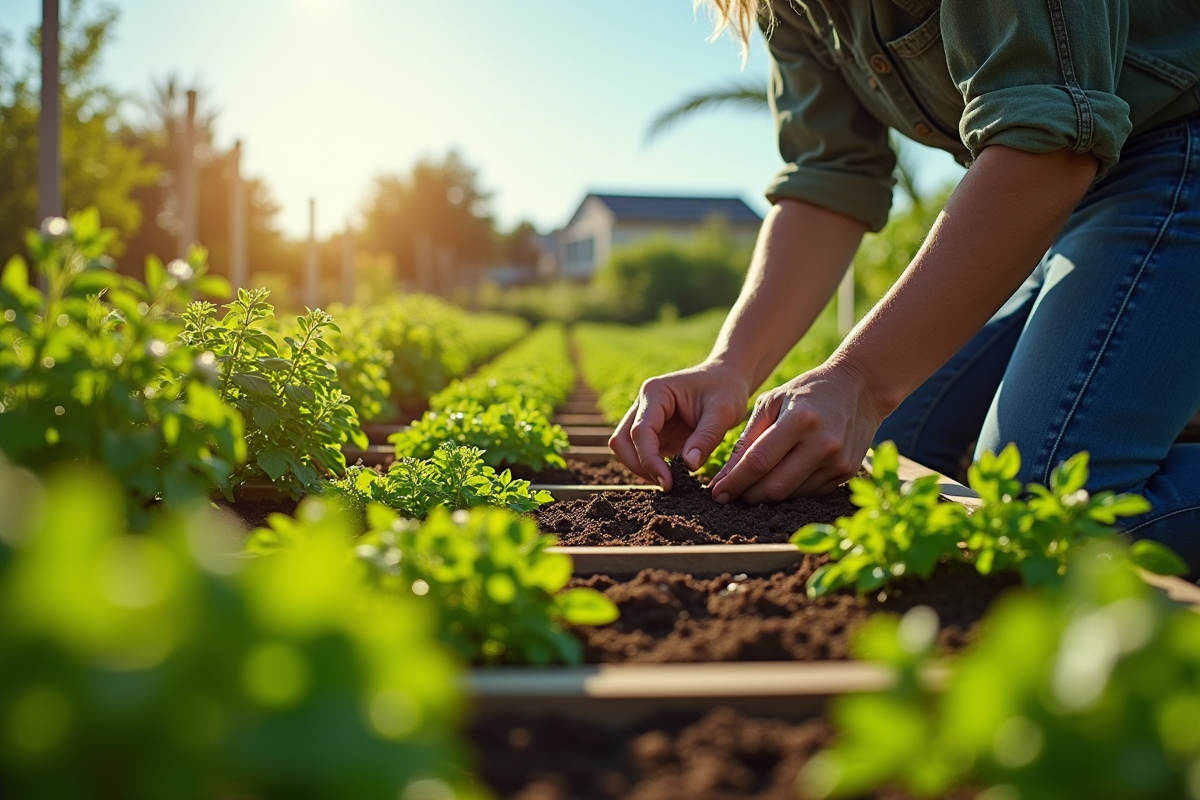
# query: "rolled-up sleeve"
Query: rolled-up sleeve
837,153
1040,75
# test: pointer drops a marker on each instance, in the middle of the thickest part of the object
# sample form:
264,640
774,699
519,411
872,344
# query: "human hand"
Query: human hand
685,412
804,438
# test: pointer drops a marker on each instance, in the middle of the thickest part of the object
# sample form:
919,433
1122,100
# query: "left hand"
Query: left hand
805,437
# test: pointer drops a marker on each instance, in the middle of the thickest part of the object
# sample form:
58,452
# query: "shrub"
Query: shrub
92,369
705,272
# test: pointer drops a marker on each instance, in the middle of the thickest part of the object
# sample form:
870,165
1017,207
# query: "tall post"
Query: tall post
424,259
238,269
348,277
445,279
49,120
188,206
312,263
845,302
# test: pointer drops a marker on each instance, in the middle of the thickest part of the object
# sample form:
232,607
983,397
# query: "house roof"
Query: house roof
665,208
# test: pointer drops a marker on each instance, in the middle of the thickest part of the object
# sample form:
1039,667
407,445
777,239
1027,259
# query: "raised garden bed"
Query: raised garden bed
714,754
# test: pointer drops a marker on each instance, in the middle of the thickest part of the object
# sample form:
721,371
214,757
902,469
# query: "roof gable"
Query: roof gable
671,208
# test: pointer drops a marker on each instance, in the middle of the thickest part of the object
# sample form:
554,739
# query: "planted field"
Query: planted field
903,636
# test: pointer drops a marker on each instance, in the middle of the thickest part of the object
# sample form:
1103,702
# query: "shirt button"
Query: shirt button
922,129
874,84
880,64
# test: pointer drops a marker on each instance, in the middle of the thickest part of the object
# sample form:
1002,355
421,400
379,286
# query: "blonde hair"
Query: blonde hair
739,17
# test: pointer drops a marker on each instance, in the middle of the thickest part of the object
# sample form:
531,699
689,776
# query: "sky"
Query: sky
547,99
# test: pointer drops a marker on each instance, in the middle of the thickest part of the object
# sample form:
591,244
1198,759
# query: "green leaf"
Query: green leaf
886,460
583,606
1071,476
274,463
1157,558
299,394
255,384
16,275
265,417
827,579
816,538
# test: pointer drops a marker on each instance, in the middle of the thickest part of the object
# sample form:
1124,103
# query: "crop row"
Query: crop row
146,651
504,409
394,355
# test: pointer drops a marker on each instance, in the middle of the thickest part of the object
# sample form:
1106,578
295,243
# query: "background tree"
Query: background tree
161,135
521,246
438,213
99,168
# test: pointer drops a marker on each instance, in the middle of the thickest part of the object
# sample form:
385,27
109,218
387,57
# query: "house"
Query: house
607,221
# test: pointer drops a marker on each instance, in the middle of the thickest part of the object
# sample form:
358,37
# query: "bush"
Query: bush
660,275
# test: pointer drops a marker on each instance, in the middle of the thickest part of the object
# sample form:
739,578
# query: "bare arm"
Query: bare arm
801,256
802,253
810,434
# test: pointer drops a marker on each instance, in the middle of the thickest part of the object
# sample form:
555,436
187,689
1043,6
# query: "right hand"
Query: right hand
685,412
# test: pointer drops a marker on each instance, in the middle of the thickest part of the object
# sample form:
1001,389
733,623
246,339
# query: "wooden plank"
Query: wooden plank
588,435
1177,589
620,693
578,407
590,455
703,559
575,492
579,419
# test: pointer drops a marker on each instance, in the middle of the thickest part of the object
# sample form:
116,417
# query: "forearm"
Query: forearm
996,226
801,255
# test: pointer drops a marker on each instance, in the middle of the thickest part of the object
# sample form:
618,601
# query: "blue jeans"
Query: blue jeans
1099,350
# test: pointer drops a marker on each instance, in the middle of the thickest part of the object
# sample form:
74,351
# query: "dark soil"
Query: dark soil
254,512
577,473
685,515
674,617
720,755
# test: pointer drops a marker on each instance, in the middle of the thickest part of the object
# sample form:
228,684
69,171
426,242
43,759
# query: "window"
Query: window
581,254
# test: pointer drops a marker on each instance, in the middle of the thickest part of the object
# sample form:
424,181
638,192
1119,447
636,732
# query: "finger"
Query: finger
783,481
704,439
765,412
621,443
758,459
656,407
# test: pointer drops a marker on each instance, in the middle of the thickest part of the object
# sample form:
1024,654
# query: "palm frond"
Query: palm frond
746,94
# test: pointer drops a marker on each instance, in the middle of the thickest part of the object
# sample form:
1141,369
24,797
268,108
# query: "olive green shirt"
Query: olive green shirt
1035,75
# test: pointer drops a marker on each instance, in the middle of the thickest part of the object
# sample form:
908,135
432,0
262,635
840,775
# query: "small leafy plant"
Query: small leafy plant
92,369
902,528
454,478
508,433
297,416
1090,689
499,592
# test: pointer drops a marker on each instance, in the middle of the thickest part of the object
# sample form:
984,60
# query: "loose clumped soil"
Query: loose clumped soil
686,515
720,755
577,473
675,617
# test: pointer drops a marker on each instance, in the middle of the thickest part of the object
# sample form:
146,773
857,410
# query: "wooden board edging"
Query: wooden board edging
701,559
620,693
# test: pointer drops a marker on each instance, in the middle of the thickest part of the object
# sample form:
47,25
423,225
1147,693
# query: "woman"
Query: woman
1054,304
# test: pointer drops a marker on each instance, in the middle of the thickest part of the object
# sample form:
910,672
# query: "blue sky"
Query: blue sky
547,98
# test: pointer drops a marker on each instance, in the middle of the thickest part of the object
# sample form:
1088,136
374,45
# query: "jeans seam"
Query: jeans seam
1062,432
1160,518
924,420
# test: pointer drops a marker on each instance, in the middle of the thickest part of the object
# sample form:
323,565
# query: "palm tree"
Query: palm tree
753,95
